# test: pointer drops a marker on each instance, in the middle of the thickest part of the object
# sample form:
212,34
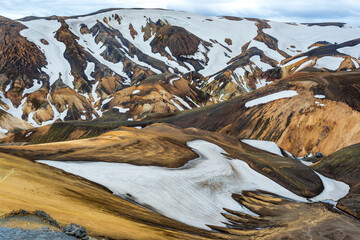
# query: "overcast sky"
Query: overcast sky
282,10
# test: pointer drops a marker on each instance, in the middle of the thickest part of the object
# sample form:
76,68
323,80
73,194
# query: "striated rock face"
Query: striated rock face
20,59
157,95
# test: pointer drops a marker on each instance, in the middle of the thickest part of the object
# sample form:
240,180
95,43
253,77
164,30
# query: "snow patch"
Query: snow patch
106,101
36,86
3,130
182,102
28,134
8,86
271,97
320,96
135,91
15,111
268,146
331,63
261,83
90,68
173,80
122,110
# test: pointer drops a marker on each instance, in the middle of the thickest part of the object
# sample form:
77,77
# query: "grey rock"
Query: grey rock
319,155
32,234
46,217
76,231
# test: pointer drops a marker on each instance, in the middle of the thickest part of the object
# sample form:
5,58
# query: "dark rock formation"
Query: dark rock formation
77,231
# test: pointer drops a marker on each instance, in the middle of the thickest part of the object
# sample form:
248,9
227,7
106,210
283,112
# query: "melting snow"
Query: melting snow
194,194
8,86
263,66
261,83
28,134
188,98
319,104
320,96
122,110
271,97
331,63
15,111
172,80
36,86
54,51
352,51
264,145
106,101
177,105
135,91
90,68
302,36
182,102
3,130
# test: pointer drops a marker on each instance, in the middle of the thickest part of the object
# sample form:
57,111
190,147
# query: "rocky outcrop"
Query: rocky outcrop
77,107
159,94
177,39
77,231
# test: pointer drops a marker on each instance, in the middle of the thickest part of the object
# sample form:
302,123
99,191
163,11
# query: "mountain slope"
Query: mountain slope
67,197
95,56
322,114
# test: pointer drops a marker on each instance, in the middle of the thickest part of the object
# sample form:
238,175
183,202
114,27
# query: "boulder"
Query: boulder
76,231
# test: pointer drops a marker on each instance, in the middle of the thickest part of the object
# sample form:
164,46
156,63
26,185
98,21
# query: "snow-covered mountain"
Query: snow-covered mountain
135,63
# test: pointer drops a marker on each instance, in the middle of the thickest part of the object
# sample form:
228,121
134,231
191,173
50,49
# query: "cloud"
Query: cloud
283,10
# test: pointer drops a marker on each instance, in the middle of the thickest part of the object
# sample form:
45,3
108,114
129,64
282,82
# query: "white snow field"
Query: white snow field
271,97
196,193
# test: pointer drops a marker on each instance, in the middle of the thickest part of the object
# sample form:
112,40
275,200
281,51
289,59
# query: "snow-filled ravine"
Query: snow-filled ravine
194,194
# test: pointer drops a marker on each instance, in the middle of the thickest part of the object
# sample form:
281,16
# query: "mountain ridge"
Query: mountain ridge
145,63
